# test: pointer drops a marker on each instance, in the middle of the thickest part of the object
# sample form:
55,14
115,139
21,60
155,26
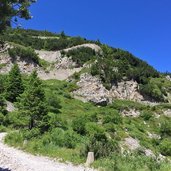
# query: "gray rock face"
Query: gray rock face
168,78
92,89
134,144
126,90
26,66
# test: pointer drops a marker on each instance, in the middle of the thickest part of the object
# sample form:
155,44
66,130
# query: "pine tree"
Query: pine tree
2,105
14,84
32,103
10,9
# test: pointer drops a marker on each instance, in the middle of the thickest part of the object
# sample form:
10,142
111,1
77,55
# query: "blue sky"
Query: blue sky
142,27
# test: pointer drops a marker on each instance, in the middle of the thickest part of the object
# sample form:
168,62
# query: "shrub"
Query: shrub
53,104
81,55
101,148
15,120
165,147
14,138
114,117
24,53
30,134
146,115
71,139
63,138
79,123
165,128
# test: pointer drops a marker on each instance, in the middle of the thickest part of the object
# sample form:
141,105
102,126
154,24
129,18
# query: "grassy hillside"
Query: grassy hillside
49,121
77,127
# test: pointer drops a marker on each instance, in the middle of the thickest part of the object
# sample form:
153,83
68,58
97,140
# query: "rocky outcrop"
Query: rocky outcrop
127,90
4,47
131,113
92,89
168,77
167,113
131,144
26,66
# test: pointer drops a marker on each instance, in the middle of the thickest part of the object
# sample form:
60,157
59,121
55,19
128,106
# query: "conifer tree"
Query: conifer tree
13,8
32,103
14,84
2,105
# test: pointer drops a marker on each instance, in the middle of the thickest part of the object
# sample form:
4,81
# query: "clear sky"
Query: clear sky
142,27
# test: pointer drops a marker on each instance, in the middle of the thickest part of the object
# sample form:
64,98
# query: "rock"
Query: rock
168,77
153,136
91,89
167,112
160,158
126,90
131,113
149,153
131,143
10,106
90,158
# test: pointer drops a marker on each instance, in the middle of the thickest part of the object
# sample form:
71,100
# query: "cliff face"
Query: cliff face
92,89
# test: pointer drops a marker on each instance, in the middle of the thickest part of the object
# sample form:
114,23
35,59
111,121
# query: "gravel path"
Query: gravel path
15,160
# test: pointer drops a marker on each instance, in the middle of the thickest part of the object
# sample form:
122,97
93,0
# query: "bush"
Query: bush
165,128
101,148
165,147
81,55
156,88
146,115
14,138
79,123
30,134
53,104
15,120
63,138
24,53
113,117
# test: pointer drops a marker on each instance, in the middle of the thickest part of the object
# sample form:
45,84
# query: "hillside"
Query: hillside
87,97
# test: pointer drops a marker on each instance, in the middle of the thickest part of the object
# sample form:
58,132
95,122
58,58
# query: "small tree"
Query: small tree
32,103
2,105
14,84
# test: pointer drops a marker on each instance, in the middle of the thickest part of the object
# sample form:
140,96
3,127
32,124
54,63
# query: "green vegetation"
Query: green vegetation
28,38
57,125
13,9
14,86
81,55
73,128
23,53
156,88
116,64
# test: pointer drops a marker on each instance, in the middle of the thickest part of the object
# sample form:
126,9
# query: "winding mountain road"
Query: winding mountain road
12,159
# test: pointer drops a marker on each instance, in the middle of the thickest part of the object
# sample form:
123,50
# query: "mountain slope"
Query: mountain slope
98,99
